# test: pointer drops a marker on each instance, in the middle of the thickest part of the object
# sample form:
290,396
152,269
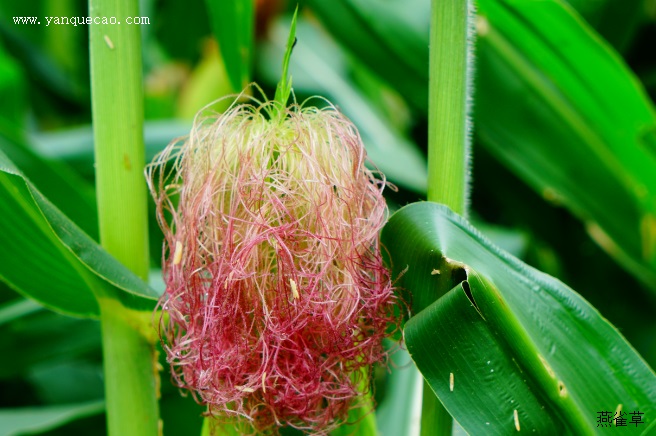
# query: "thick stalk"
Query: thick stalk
448,139
448,104
130,367
117,104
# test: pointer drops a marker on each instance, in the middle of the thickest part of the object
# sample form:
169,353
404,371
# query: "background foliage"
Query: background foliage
563,176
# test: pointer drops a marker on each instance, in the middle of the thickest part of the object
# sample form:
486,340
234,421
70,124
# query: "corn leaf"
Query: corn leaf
50,259
594,153
71,194
504,346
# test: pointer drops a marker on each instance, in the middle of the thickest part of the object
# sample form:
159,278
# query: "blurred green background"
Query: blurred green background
370,58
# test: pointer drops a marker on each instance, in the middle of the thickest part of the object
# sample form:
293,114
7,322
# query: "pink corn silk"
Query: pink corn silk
277,297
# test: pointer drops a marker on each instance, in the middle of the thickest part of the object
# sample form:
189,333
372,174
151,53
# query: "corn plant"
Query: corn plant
382,237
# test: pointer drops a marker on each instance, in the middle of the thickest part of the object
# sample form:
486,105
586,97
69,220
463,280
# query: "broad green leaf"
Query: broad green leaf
513,241
232,23
502,344
34,420
554,103
50,259
71,194
580,129
318,66
616,20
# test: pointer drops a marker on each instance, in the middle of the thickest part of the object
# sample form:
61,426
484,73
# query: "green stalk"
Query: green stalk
448,125
448,140
130,366
117,104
